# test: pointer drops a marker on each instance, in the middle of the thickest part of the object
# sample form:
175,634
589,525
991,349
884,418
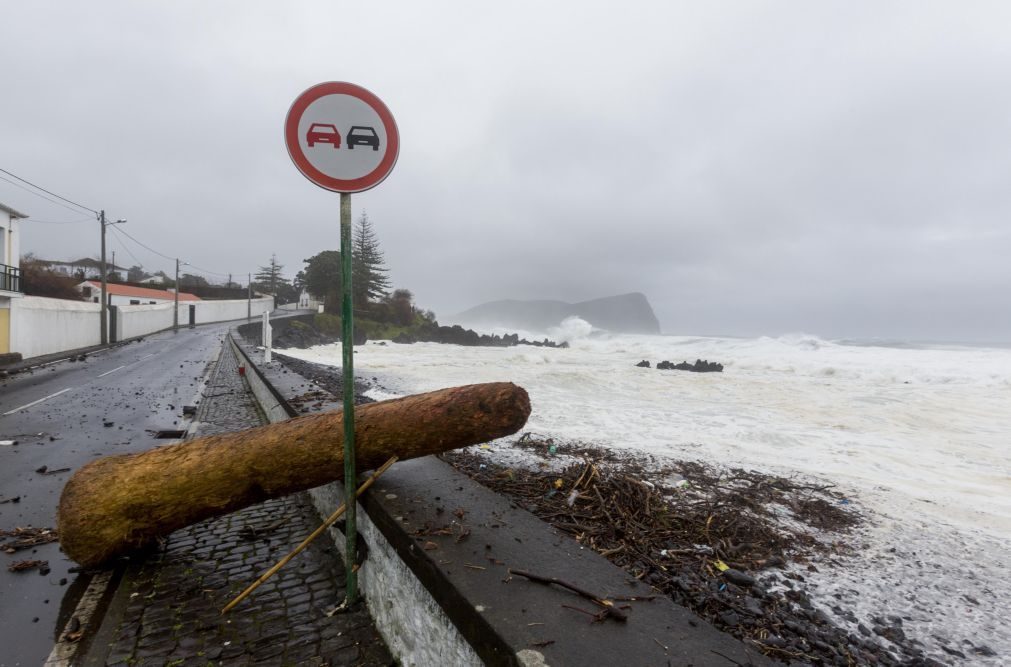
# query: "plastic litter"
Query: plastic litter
676,481
559,483
572,497
8,443
721,566
553,449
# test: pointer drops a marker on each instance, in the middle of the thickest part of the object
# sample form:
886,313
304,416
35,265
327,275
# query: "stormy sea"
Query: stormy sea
915,437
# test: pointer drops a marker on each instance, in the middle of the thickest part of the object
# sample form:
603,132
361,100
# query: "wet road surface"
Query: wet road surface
63,416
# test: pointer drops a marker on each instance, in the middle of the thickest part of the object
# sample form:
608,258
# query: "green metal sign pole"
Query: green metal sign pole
347,345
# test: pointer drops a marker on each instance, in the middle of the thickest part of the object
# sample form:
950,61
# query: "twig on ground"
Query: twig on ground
608,606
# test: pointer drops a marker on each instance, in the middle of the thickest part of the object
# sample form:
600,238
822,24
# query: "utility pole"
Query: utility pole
105,282
249,297
105,306
175,311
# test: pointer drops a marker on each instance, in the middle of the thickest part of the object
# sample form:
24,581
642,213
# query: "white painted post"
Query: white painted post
267,337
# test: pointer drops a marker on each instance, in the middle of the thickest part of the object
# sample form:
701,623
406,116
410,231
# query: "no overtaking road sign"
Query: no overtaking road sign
341,137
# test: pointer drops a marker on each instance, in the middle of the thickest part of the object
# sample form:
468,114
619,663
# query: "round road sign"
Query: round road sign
341,137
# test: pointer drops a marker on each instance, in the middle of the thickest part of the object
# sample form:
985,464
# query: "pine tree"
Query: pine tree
369,281
269,278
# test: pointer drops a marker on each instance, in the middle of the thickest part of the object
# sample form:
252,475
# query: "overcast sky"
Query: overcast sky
754,168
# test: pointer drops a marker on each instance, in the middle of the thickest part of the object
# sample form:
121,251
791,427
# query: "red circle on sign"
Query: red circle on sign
370,180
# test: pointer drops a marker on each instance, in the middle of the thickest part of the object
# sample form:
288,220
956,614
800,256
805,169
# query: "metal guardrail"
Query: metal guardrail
10,279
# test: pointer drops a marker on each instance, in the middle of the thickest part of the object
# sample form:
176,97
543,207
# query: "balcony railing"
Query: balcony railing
10,279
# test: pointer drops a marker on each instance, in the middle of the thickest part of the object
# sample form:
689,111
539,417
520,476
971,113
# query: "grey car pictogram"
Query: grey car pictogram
359,135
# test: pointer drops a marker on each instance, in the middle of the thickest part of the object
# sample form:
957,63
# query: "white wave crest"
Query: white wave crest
571,329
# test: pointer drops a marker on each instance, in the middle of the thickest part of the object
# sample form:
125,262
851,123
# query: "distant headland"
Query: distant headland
625,313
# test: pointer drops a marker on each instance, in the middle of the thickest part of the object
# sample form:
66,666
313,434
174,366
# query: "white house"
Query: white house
10,271
128,295
82,267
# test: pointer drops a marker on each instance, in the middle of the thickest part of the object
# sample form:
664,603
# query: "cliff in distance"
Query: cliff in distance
626,313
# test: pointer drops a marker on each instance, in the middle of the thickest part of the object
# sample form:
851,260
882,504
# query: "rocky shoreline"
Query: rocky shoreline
300,334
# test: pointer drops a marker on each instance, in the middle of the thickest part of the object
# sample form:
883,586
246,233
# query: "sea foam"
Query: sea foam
917,435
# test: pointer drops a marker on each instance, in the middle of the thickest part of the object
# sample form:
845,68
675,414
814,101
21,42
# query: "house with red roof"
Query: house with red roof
128,295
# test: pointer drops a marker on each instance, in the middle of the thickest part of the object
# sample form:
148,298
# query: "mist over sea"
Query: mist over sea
916,435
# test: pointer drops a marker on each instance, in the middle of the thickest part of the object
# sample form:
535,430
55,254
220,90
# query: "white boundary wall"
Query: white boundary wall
42,326
141,320
132,321
45,326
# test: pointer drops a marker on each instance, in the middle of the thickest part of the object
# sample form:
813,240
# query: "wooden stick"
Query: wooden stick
331,520
609,608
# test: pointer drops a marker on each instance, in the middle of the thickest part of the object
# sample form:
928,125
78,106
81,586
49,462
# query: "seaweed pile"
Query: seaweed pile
730,544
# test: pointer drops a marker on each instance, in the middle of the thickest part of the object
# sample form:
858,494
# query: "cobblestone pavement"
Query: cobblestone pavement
170,605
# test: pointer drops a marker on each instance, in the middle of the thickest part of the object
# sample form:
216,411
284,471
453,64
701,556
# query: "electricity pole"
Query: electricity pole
105,307
105,284
175,311
249,297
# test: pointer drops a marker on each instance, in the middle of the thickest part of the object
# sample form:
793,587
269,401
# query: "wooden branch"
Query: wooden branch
331,520
609,608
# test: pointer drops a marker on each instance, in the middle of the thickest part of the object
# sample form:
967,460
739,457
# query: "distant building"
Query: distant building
154,280
81,268
128,295
10,271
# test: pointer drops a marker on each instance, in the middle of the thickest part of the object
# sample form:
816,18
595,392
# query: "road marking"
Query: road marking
45,398
146,356
112,371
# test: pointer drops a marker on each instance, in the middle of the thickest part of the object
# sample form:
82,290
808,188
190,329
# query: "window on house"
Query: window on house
95,299
86,291
134,302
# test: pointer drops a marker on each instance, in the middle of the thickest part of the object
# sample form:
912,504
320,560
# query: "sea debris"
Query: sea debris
26,537
25,565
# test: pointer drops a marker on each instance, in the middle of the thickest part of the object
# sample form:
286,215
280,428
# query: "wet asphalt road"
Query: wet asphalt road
63,416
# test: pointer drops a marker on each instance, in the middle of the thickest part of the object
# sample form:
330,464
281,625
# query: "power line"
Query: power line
143,245
38,187
32,192
126,248
213,273
58,222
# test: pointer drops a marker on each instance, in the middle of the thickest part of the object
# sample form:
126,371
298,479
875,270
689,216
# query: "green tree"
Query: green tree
369,281
322,279
135,273
192,280
269,278
402,307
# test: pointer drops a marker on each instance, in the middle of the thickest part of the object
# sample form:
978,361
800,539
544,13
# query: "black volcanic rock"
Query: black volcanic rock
700,366
625,313
457,335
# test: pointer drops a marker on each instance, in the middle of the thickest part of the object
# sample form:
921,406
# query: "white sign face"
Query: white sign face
342,137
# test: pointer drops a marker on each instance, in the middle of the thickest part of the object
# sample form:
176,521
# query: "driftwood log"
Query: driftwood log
118,504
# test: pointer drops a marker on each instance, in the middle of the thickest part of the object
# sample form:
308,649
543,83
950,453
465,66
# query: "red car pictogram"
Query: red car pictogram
323,133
